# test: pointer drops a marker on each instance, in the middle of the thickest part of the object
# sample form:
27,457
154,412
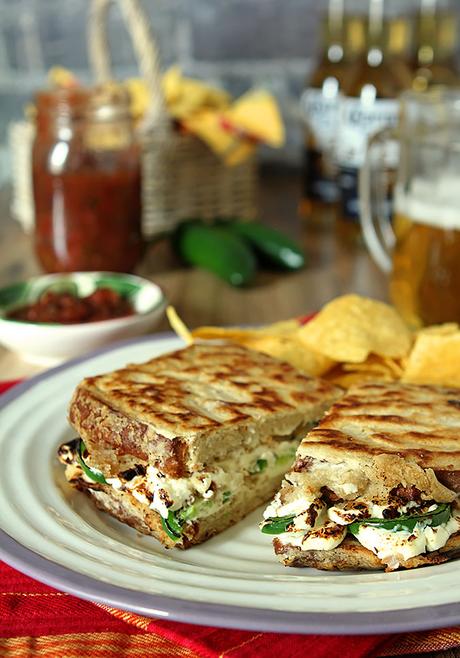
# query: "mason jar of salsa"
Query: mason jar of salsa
86,181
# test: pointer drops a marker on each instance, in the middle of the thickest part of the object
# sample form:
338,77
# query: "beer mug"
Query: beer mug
414,236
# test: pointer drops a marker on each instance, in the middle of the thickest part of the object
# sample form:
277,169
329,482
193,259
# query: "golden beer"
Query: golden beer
425,279
417,242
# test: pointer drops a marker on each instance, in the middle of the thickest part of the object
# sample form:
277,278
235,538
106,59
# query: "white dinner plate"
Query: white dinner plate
54,534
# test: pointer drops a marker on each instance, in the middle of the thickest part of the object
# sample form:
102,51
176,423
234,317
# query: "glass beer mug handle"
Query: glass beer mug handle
374,186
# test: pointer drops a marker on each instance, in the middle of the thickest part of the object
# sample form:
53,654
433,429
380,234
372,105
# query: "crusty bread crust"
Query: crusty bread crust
256,491
419,423
194,405
379,437
351,555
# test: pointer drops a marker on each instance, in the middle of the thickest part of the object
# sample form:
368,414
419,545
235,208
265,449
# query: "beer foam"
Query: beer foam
432,202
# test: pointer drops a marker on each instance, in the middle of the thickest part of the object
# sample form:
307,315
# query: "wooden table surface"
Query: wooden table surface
336,265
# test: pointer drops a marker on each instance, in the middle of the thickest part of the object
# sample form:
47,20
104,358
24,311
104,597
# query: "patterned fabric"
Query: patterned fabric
427,641
37,621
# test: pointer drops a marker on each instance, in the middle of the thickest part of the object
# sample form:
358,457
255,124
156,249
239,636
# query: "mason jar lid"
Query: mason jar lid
108,102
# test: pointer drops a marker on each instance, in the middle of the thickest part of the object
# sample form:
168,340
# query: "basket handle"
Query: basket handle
144,47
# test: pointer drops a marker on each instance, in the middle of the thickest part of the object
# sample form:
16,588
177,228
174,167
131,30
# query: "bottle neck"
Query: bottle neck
399,37
436,33
375,33
333,33
355,37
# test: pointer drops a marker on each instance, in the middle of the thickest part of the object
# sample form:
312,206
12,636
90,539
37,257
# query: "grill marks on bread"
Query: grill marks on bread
419,423
386,444
395,446
229,384
173,410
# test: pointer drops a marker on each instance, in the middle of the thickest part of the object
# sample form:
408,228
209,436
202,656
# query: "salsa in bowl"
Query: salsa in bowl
57,316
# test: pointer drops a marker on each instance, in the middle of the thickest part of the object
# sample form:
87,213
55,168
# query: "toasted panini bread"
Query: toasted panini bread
200,403
375,484
185,445
351,555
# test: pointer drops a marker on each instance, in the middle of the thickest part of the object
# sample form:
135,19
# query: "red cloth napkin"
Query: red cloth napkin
36,620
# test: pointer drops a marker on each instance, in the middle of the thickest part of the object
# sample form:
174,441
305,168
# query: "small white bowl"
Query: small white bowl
48,344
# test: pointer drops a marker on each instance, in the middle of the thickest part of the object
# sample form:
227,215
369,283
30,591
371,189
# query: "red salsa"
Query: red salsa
86,174
65,308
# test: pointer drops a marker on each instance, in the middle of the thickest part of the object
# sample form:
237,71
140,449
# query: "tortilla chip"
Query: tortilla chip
280,340
178,325
441,329
435,358
288,348
241,336
376,364
257,114
237,334
349,328
185,96
395,365
347,378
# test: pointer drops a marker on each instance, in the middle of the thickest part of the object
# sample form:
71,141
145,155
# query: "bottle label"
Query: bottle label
358,121
320,111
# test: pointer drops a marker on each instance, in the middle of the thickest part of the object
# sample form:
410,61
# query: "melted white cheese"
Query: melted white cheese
341,516
295,507
397,546
142,498
314,540
345,516
302,521
346,488
390,546
317,541
292,538
302,533
171,494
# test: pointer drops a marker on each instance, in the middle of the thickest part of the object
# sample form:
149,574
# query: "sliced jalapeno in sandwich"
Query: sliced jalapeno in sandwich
92,473
407,522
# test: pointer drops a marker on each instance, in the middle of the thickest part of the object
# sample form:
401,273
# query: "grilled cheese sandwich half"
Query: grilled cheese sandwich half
375,485
187,444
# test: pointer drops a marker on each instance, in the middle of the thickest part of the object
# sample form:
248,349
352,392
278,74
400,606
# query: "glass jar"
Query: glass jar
86,181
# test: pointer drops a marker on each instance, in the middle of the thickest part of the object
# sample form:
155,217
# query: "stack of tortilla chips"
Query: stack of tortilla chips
355,340
232,129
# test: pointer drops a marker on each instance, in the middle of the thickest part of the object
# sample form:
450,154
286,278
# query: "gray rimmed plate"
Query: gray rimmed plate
55,535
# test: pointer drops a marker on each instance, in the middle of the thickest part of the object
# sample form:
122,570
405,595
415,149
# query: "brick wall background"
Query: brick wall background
234,43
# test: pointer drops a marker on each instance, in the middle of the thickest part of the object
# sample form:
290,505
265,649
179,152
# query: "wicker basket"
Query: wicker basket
182,177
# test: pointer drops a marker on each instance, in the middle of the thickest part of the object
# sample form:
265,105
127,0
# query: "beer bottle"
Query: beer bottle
436,45
370,103
400,39
320,108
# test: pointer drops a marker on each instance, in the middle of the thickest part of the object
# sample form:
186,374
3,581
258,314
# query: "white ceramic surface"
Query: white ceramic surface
49,344
237,569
